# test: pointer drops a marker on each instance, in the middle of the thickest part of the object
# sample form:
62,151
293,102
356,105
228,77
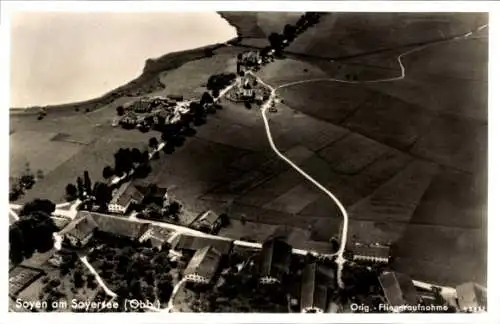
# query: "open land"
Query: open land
407,158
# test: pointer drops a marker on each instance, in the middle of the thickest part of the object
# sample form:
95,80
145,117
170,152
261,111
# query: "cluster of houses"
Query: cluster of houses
249,90
128,195
152,110
208,254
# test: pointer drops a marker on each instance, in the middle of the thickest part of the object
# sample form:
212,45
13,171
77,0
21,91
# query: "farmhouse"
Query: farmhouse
118,226
317,280
208,221
154,194
129,119
274,261
371,253
398,289
203,265
156,235
189,243
471,297
80,233
123,197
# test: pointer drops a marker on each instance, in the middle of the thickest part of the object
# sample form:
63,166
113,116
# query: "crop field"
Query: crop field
329,101
397,199
352,153
341,34
38,149
449,255
458,198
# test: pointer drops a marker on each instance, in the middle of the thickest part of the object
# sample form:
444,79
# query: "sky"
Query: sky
62,57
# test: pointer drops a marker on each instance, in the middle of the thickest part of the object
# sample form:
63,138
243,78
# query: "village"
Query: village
183,264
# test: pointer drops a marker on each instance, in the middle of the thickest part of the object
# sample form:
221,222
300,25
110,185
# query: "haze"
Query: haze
65,57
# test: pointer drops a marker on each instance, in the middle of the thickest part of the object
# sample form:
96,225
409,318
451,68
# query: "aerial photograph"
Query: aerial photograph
248,162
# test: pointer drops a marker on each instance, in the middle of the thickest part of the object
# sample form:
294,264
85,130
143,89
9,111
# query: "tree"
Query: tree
80,187
206,98
102,194
43,205
86,181
78,279
15,190
248,105
107,172
153,143
276,41
289,31
71,192
174,209
120,111
32,233
224,219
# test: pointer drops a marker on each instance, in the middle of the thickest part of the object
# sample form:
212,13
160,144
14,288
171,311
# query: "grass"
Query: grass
38,150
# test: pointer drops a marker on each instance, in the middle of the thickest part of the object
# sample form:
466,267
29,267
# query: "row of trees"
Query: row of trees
279,41
33,232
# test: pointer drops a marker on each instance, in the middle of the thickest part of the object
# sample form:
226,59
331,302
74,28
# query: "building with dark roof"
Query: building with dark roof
190,243
157,236
275,259
203,265
208,220
123,197
471,297
80,232
119,226
317,281
398,289
372,253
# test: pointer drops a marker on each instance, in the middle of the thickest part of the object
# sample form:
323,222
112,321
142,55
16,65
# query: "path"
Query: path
108,291
340,258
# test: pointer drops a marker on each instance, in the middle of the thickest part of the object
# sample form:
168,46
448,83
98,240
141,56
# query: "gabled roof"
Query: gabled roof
125,194
204,262
83,228
275,258
118,225
193,243
209,217
316,279
398,289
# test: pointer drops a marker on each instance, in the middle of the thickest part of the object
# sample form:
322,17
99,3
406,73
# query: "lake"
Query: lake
73,56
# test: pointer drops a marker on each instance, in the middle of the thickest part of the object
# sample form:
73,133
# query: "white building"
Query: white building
123,197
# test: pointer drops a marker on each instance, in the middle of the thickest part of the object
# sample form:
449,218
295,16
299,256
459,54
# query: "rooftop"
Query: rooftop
275,258
125,194
398,289
193,243
316,280
204,262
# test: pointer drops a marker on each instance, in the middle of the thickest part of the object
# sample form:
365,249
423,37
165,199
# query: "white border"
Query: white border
370,6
